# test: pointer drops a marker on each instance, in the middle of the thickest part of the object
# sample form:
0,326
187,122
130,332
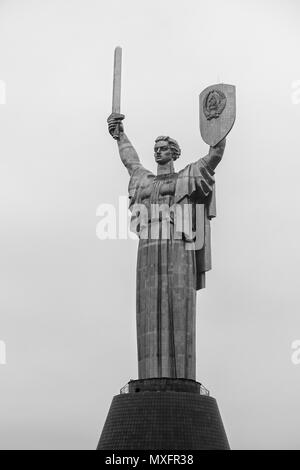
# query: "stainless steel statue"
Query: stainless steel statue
171,214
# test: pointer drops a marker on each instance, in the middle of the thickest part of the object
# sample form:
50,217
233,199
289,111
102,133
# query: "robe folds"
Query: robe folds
170,269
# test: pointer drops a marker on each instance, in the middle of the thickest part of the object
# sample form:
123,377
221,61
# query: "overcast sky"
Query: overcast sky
68,298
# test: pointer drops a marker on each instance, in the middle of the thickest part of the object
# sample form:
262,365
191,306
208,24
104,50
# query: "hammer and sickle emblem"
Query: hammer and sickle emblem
214,104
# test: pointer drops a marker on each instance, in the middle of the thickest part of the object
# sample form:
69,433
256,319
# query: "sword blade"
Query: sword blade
116,99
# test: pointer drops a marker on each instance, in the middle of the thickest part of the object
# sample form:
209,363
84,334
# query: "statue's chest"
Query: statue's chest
159,187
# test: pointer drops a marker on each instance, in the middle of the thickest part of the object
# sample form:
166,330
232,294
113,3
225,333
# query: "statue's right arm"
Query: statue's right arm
128,154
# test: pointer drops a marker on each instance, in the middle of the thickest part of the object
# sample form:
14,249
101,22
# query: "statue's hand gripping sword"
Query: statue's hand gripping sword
116,98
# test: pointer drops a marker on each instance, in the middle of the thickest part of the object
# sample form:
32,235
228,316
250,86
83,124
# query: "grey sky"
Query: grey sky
67,298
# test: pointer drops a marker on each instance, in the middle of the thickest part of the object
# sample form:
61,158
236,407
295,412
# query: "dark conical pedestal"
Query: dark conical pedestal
163,414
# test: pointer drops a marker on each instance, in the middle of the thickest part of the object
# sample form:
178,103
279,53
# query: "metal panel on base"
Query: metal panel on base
163,419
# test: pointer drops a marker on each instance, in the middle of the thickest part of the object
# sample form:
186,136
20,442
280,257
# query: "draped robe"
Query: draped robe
170,269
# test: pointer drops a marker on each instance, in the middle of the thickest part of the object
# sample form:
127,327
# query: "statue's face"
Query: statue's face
162,152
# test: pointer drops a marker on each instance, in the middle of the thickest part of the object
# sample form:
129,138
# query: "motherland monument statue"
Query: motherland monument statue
171,214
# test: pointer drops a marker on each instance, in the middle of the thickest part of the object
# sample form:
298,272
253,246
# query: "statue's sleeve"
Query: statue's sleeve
196,188
138,179
138,174
196,181
128,154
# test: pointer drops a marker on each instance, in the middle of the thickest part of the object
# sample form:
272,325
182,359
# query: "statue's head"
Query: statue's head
166,149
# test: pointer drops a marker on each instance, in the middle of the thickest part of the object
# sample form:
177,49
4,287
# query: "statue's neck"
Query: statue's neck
166,168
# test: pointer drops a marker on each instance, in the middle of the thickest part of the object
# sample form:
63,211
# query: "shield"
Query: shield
217,112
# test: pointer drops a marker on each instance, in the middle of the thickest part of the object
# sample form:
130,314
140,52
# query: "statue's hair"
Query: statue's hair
173,145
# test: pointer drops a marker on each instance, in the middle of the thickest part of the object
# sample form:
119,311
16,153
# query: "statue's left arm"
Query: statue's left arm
197,179
202,172
215,155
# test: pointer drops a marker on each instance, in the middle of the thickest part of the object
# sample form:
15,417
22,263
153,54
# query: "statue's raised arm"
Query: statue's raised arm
128,154
215,155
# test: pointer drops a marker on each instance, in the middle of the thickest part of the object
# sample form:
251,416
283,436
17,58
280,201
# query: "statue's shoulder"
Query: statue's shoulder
184,171
140,177
195,180
139,174
197,168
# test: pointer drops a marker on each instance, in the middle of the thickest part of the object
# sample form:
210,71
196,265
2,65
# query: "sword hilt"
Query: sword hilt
116,134
115,125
